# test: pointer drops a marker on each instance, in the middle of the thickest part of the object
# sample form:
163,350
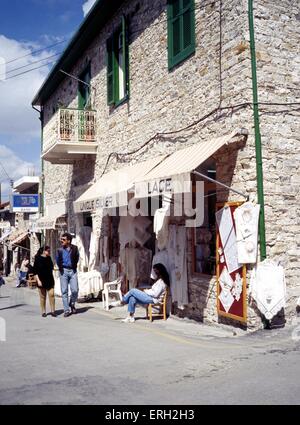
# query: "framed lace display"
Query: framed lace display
231,276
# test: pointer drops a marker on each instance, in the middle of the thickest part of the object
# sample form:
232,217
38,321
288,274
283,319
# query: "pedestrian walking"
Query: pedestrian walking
2,281
67,259
22,272
43,271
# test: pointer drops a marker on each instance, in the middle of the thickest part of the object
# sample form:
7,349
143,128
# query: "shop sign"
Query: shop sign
25,203
94,204
167,185
101,202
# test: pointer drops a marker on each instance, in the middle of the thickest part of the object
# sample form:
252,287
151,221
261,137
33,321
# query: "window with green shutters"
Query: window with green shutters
181,30
117,66
84,90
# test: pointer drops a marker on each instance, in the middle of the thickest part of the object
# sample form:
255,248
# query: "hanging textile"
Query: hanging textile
136,264
78,242
246,221
103,257
133,229
93,251
161,226
268,288
85,236
178,265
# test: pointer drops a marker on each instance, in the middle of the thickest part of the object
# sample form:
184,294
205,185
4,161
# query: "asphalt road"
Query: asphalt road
93,358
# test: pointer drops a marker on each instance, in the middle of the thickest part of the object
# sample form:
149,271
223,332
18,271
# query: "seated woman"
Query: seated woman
148,296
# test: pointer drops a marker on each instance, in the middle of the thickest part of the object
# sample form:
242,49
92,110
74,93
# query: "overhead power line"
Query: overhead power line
30,70
29,64
34,52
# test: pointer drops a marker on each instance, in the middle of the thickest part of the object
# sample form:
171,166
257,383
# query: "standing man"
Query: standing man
67,259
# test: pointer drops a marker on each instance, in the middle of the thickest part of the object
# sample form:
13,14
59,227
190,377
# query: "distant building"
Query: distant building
18,217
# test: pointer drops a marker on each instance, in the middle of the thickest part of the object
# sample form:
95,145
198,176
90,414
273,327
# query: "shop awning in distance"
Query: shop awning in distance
17,237
5,235
173,174
53,214
111,190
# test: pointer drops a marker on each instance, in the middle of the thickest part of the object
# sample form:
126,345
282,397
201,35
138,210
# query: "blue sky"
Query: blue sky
27,26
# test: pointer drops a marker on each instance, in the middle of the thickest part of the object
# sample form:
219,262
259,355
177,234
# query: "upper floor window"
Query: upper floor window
117,66
84,89
181,30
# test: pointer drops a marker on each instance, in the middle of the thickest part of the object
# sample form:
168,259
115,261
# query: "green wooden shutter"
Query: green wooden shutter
188,24
125,55
110,71
83,89
181,30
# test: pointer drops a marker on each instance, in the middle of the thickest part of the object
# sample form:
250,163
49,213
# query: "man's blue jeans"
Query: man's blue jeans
69,277
136,296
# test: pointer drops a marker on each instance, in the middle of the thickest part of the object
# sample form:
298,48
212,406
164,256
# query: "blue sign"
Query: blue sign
25,203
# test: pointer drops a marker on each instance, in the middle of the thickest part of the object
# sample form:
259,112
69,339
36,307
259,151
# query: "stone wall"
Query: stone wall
219,74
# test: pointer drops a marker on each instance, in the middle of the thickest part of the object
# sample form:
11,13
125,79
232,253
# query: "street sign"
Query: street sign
25,203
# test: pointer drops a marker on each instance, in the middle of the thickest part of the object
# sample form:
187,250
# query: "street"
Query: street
93,358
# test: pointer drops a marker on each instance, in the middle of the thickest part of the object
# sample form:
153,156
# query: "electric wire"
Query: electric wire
29,64
30,70
34,52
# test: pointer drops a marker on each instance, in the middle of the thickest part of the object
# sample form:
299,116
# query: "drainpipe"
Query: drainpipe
41,209
42,171
258,149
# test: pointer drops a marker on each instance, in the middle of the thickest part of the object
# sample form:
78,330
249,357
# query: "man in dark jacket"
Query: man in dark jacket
67,259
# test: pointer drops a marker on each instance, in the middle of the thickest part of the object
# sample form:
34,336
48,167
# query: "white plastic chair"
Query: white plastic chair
111,288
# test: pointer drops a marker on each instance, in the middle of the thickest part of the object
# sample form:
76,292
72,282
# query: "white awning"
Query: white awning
173,174
6,234
17,237
54,212
112,189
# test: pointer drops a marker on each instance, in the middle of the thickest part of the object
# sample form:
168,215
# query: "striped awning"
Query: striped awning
112,189
173,174
17,237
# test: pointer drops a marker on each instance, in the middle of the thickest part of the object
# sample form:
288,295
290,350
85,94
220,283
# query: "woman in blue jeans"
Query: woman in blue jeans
149,296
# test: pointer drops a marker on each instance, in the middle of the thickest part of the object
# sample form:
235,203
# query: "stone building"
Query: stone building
152,77
18,237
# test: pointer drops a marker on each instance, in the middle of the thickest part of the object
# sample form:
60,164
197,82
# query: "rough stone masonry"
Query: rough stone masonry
219,74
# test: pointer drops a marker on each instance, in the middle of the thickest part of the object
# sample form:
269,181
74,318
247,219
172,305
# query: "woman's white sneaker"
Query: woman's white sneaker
128,319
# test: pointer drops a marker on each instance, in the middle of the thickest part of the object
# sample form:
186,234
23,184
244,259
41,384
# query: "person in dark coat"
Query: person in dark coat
43,271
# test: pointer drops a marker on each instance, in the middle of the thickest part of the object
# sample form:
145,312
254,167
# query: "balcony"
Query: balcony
70,135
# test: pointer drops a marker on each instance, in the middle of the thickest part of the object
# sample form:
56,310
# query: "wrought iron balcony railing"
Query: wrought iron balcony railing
70,126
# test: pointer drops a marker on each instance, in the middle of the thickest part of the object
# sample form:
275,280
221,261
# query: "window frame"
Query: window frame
185,53
81,100
112,65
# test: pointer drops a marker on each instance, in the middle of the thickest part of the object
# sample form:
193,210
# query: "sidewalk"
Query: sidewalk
174,326
185,327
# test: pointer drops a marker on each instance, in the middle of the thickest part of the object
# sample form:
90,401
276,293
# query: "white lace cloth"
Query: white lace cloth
89,283
246,221
160,226
268,288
